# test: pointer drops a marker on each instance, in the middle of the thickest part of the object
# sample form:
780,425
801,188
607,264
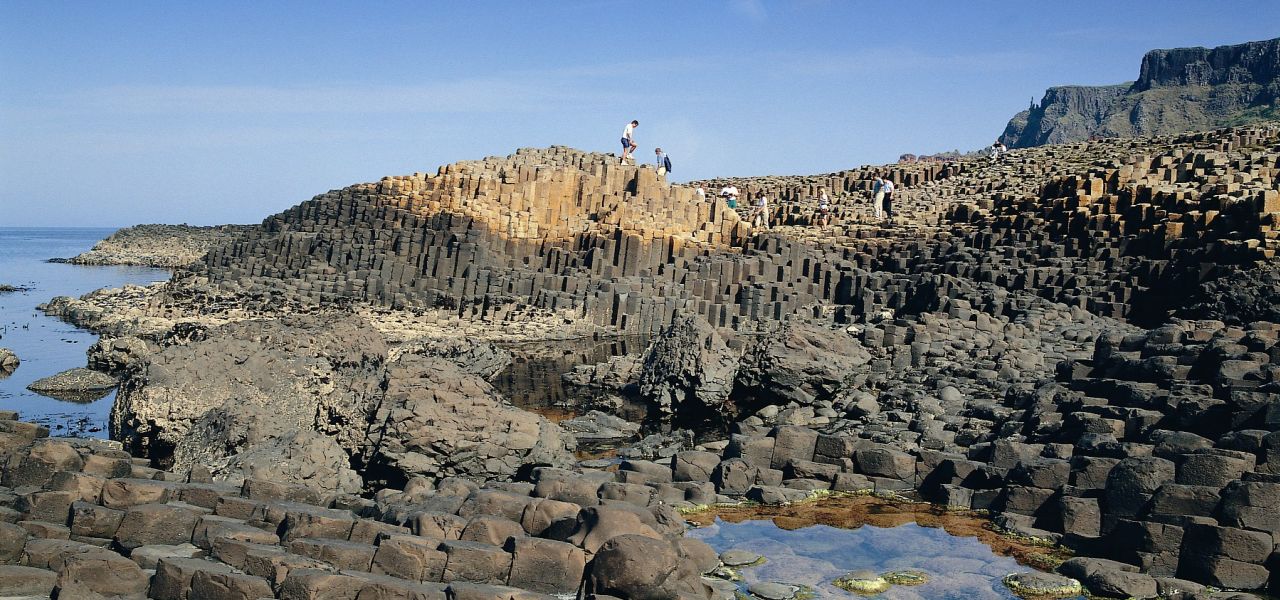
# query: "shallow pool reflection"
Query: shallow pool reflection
812,545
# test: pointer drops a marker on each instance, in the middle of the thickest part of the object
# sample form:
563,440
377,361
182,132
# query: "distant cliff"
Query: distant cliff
1178,90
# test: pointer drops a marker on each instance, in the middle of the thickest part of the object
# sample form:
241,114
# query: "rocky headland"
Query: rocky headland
1076,340
1177,91
164,246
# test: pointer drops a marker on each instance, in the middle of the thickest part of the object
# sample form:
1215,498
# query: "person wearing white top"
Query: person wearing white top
888,199
702,194
628,142
760,214
997,151
730,195
823,217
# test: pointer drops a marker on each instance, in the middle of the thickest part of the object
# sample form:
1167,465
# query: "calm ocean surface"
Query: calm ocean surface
45,345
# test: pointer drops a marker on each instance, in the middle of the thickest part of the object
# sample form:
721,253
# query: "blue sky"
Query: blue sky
115,113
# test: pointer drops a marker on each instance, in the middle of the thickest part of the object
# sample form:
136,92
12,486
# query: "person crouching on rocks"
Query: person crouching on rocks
730,195
628,141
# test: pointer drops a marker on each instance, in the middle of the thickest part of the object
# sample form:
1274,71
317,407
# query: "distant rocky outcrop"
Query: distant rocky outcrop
166,246
1178,90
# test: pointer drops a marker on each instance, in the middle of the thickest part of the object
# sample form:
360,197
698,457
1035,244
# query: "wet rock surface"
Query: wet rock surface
8,362
77,385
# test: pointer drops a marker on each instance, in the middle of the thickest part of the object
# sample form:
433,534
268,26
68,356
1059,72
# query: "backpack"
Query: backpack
666,163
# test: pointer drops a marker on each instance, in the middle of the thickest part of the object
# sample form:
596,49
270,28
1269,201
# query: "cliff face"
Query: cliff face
1178,90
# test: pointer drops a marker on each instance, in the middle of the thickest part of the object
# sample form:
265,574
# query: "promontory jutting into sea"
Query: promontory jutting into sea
1047,368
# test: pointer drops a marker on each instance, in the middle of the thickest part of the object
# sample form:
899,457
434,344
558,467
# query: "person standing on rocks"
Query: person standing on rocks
661,161
888,189
628,141
760,214
824,209
702,193
877,198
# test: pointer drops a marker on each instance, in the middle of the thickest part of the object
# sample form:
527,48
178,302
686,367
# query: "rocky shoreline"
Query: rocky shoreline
162,246
1076,340
132,531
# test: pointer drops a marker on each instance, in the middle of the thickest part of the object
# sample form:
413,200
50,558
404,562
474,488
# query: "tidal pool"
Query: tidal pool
813,544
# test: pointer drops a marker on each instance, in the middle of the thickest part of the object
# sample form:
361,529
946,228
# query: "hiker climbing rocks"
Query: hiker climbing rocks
628,142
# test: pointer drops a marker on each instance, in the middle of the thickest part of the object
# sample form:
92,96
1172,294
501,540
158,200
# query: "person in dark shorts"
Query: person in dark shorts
628,142
888,199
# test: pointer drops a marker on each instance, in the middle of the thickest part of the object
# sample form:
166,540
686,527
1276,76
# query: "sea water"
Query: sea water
46,345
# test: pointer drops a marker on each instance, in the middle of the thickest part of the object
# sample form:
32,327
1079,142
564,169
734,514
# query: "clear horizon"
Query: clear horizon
158,112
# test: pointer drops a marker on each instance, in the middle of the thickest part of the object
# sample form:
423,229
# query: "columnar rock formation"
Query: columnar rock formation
987,347
557,230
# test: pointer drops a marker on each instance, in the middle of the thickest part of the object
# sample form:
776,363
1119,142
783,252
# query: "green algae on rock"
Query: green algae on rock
862,582
740,558
1034,584
906,577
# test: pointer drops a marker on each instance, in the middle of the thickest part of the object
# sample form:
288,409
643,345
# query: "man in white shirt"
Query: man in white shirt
628,143
730,194
760,214
702,194
888,199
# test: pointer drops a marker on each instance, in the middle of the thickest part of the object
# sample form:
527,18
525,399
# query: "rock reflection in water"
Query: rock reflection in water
533,379
813,544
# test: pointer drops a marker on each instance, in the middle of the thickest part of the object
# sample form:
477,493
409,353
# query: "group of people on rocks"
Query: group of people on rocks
759,215
881,192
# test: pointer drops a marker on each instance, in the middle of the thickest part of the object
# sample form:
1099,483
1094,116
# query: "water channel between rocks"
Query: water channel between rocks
44,344
812,544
